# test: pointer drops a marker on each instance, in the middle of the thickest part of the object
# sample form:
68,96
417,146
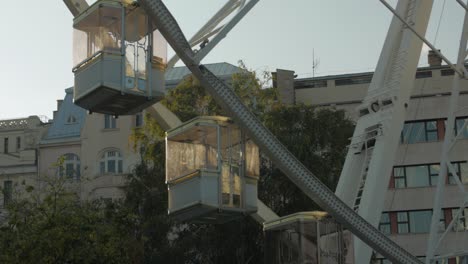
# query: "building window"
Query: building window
385,225
18,143
416,132
426,175
461,168
402,222
461,222
447,72
109,122
71,119
417,176
399,177
139,119
111,162
434,174
5,145
70,167
7,192
459,125
414,221
423,74
420,221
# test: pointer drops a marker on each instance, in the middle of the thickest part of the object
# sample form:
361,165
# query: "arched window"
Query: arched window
70,166
111,162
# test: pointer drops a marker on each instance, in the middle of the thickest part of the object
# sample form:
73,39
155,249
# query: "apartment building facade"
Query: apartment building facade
92,152
18,155
410,196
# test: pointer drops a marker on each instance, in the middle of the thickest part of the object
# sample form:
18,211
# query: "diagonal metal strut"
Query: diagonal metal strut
285,160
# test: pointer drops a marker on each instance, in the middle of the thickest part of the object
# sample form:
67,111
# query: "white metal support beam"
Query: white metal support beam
435,238
429,44
364,179
225,30
212,29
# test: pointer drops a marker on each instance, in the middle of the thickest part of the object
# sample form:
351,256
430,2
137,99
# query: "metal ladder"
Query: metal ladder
362,184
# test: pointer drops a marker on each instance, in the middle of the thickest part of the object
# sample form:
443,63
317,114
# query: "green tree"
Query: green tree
318,138
51,225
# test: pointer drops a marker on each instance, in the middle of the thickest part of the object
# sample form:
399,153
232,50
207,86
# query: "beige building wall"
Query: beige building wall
96,141
18,154
430,101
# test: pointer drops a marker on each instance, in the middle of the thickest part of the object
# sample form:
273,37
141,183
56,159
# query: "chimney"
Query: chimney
283,80
433,59
59,104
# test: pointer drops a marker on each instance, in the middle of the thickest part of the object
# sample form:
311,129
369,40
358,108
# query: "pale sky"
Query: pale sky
346,36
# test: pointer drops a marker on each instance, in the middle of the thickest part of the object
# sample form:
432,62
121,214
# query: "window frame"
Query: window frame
139,119
73,160
7,192
399,177
5,145
432,175
108,157
385,224
403,222
427,131
110,122
18,143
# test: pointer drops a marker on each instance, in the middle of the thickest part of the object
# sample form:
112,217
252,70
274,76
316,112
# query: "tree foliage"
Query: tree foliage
51,225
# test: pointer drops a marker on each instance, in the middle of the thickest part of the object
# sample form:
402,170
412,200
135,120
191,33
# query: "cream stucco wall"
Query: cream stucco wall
95,140
19,165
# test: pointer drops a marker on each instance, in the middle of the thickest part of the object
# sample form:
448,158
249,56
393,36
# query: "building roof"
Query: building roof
68,121
223,70
356,78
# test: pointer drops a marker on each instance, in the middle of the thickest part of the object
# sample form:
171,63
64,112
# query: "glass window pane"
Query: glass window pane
434,169
417,176
400,183
106,121
399,171
451,178
431,125
459,126
69,171
464,172
414,132
102,167
458,225
432,136
120,167
402,228
420,221
7,192
111,166
385,218
402,216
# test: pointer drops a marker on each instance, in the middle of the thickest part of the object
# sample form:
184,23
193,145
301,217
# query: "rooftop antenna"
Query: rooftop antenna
315,63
